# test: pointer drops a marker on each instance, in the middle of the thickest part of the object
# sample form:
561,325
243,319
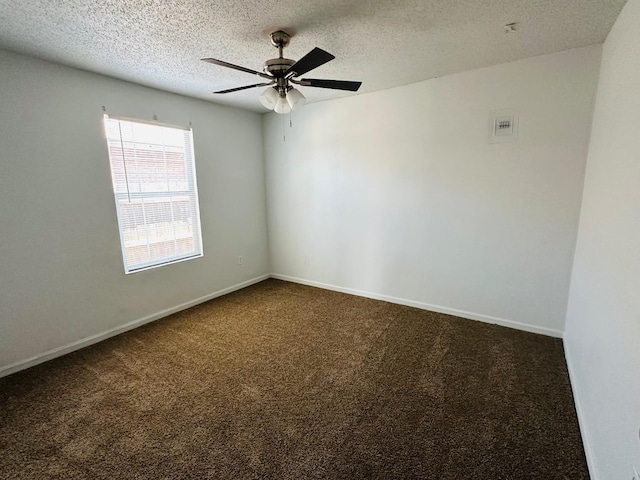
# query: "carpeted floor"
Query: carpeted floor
283,381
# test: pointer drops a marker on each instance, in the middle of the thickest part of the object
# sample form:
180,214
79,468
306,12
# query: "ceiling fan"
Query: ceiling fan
281,73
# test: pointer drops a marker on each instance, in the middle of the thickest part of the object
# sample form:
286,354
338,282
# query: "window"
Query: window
154,184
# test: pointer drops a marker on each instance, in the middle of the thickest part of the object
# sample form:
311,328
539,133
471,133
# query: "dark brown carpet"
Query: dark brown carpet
283,381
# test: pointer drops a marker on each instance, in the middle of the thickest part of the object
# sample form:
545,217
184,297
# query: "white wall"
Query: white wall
61,273
399,194
602,339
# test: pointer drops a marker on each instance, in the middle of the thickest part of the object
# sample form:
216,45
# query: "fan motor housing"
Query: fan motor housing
277,66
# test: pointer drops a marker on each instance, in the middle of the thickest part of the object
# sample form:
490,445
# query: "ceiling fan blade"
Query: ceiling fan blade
311,60
245,87
333,84
235,67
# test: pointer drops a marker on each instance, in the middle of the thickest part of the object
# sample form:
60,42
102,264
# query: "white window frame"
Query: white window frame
192,192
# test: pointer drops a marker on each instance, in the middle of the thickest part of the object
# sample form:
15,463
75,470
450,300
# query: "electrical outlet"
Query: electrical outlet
240,260
306,264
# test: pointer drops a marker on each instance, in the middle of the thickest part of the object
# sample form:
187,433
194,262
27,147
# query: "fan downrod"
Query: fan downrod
278,66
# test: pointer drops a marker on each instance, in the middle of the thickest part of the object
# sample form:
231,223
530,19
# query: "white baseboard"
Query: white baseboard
427,306
85,342
591,462
57,352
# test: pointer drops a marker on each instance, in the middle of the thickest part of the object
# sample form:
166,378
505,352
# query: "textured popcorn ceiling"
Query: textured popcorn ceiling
383,43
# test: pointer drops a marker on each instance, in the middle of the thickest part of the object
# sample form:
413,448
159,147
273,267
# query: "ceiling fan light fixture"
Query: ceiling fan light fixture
283,72
295,98
282,106
269,98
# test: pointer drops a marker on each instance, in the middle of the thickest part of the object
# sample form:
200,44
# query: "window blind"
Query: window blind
154,184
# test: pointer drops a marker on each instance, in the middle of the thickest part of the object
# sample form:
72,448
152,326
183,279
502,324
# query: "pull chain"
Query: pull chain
124,161
284,137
